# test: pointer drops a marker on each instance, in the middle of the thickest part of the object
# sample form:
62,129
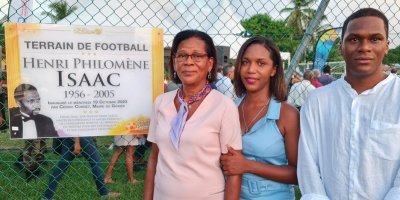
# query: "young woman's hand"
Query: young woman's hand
233,163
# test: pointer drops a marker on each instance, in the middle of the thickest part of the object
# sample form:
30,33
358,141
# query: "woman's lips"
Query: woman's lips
250,80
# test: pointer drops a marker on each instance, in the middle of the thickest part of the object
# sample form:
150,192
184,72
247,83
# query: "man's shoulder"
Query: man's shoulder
43,117
326,91
396,79
15,113
14,110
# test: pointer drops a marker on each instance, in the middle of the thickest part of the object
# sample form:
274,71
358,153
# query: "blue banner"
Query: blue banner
324,46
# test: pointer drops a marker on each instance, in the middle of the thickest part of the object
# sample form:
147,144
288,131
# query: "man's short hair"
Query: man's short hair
327,69
225,70
20,89
316,73
308,75
366,12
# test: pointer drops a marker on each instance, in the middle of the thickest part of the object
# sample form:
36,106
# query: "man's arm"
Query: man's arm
394,192
309,178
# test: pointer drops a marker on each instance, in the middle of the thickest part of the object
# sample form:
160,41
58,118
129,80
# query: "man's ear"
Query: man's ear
387,47
340,46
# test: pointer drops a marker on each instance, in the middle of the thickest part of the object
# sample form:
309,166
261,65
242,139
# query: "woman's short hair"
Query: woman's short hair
210,49
277,84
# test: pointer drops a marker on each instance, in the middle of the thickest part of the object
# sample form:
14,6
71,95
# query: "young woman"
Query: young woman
270,126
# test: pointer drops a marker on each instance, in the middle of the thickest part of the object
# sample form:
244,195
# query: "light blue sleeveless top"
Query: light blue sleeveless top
264,143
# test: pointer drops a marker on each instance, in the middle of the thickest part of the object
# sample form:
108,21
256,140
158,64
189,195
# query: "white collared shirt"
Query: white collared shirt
298,92
224,85
29,128
350,143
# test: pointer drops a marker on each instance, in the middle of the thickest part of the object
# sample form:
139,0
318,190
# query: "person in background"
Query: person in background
3,123
270,126
326,77
122,143
393,70
224,84
315,79
299,91
191,127
350,129
229,71
70,148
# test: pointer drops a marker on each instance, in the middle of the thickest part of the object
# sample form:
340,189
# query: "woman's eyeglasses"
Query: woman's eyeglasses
180,57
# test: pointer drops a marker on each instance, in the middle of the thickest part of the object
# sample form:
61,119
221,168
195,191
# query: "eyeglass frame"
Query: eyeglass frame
186,57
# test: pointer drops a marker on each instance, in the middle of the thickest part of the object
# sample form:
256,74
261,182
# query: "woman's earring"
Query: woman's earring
174,74
209,75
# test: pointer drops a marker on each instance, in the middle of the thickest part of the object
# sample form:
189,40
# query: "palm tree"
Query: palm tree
59,10
300,14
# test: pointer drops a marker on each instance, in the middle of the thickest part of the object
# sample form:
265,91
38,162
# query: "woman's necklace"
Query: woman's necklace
247,127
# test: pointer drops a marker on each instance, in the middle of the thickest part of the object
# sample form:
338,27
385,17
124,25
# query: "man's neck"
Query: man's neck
361,84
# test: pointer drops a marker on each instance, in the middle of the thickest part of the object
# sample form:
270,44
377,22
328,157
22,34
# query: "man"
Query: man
27,123
224,83
315,81
27,116
299,91
229,71
350,129
326,77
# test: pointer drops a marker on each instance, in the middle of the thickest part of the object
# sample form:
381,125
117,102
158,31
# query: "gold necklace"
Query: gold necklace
246,128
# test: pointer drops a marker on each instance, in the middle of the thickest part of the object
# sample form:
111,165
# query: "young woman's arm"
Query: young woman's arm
289,125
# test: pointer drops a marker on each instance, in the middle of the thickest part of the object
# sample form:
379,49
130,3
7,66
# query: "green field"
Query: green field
77,183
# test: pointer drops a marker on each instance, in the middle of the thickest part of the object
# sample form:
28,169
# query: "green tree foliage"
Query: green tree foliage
59,10
264,25
393,56
300,14
2,35
2,32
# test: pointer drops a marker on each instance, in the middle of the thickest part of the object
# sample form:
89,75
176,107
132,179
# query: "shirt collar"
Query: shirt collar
373,90
25,115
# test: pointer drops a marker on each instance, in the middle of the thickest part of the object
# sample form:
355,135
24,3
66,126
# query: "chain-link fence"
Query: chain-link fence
229,23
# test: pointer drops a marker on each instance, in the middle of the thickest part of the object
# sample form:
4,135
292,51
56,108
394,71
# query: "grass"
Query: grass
77,182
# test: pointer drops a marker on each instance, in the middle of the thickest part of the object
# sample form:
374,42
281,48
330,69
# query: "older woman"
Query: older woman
191,127
270,126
